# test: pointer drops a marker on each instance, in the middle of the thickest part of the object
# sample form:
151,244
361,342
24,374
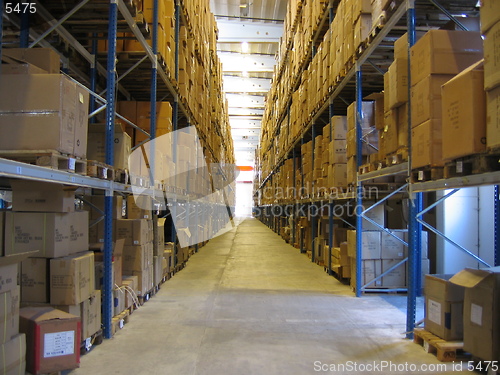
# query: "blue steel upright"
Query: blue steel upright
153,93
107,307
359,187
414,227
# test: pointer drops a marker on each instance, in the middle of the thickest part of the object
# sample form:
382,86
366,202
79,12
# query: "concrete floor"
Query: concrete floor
248,303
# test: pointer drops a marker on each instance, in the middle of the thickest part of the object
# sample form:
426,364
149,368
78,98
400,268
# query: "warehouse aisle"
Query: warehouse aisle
248,303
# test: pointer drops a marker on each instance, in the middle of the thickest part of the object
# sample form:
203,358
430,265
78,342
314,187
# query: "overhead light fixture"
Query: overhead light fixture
245,74
243,5
245,47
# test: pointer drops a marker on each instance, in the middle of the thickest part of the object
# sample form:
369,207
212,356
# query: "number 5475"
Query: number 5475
20,8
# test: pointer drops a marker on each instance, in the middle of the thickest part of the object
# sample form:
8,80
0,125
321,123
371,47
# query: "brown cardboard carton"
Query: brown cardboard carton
42,196
489,14
13,361
492,58
427,145
43,109
337,151
426,100
118,300
44,58
157,270
493,117
401,49
379,102
35,280
53,234
371,269
96,146
464,114
443,307
390,132
481,311
444,52
11,65
395,278
98,201
370,248
144,284
8,277
398,83
8,329
71,279
134,231
139,207
403,125
137,258
52,339
391,248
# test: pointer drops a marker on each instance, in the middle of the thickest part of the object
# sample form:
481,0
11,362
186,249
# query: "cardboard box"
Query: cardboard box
91,314
337,152
53,234
370,244
444,307
137,258
42,196
401,50
8,277
157,270
493,117
426,100
72,279
145,283
398,83
139,207
118,301
391,248
492,58
52,339
13,360
134,231
8,328
489,14
337,175
159,239
370,268
427,145
424,244
96,147
98,201
481,311
130,288
389,135
44,58
45,109
35,284
444,52
12,65
118,261
464,114
395,278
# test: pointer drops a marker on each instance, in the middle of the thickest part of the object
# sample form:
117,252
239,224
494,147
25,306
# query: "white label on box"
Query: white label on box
58,343
434,311
476,314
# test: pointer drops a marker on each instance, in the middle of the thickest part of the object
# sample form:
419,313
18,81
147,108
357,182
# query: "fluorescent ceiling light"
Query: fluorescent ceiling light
245,47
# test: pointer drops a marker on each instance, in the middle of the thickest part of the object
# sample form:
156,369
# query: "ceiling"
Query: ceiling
249,33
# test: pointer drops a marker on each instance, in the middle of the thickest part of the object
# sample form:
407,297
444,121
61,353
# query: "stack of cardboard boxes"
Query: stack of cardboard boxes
435,59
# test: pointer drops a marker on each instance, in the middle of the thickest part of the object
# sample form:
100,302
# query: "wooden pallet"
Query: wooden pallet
100,170
122,176
427,174
398,157
119,321
47,158
87,344
472,164
446,351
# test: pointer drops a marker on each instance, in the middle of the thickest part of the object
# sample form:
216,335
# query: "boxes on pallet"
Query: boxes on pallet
370,248
492,57
362,28
401,50
370,269
444,52
14,355
98,211
481,311
337,151
426,100
96,145
489,14
444,307
367,115
44,58
8,277
130,286
159,236
427,145
337,175
42,196
395,278
72,279
157,270
493,118
52,339
118,301
96,233
389,135
89,312
53,234
12,65
464,114
403,125
47,110
145,281
35,283
391,247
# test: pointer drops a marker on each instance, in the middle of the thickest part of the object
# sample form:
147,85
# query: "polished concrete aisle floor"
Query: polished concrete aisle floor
248,303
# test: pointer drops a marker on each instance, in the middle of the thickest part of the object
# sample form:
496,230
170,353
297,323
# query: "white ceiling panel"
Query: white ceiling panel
239,62
245,101
244,112
246,31
246,85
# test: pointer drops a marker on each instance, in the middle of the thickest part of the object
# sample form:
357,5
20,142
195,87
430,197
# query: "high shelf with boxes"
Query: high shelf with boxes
145,46
366,50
